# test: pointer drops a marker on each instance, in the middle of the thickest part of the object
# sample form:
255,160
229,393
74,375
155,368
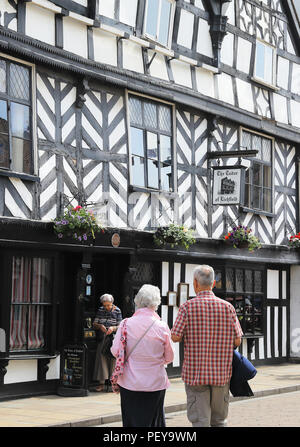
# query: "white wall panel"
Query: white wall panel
225,88
295,112
132,57
6,8
75,36
185,31
182,73
245,97
21,371
296,79
204,45
105,47
128,10
158,67
107,8
243,55
280,108
227,50
273,284
295,312
282,72
40,24
205,82
54,369
165,278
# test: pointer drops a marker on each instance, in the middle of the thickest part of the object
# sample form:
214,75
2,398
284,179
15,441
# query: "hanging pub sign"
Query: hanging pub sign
228,185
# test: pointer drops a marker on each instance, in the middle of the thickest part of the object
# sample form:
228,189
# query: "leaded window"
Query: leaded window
243,288
31,303
15,117
158,22
258,178
150,144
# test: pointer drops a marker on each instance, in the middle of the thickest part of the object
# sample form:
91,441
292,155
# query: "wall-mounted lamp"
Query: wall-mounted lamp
218,26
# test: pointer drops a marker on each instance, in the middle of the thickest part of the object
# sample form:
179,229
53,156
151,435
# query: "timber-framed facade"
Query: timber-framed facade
105,104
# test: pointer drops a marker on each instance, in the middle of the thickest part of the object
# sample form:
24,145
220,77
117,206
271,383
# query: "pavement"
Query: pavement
98,409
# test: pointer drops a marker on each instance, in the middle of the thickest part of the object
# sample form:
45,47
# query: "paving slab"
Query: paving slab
104,408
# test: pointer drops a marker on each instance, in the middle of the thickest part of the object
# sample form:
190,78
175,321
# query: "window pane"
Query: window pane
218,278
137,169
21,280
257,174
4,151
256,144
257,281
164,118
163,36
152,17
152,145
266,150
267,197
20,121
165,149
248,281
153,174
135,108
256,197
18,326
36,327
260,60
268,64
3,117
137,141
150,115
239,280
41,280
2,76
267,176
21,155
166,177
246,143
19,81
229,279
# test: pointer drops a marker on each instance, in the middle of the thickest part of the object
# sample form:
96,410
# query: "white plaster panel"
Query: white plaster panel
282,72
82,2
227,49
189,278
225,88
245,97
132,57
243,55
40,24
295,111
105,47
75,36
289,44
231,13
107,8
280,108
185,31
199,4
182,73
21,371
205,82
128,11
5,7
54,369
164,278
204,45
273,284
296,79
295,312
158,67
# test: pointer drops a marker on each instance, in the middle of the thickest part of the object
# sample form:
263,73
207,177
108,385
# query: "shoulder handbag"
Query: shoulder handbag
122,357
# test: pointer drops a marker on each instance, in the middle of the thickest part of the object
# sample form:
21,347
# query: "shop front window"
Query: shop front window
31,303
243,288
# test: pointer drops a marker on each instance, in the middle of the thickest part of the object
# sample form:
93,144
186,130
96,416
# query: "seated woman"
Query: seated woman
107,321
144,380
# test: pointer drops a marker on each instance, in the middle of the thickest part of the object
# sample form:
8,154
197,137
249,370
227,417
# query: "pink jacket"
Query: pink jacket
145,368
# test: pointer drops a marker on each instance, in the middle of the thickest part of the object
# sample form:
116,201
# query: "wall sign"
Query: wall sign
115,240
228,185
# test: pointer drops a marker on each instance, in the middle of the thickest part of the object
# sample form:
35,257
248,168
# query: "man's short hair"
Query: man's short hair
204,275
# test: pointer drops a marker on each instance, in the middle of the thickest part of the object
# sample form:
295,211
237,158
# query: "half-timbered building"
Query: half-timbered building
126,106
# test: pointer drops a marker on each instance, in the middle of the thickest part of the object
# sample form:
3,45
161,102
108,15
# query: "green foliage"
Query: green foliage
78,223
174,235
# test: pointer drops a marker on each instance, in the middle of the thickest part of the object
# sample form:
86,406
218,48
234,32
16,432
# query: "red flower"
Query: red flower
77,208
226,237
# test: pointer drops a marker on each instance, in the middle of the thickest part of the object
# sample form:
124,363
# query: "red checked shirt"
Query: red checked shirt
209,326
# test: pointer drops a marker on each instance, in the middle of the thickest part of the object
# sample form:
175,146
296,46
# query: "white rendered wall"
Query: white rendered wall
40,24
21,371
295,312
75,36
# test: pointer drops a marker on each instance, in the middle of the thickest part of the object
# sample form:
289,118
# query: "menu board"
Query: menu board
74,366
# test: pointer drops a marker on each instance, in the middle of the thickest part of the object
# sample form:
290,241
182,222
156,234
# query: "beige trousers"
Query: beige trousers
207,405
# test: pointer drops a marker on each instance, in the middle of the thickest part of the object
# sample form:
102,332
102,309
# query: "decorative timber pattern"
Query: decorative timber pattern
8,14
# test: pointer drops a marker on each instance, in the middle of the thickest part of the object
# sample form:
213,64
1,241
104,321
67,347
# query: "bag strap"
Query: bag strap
126,358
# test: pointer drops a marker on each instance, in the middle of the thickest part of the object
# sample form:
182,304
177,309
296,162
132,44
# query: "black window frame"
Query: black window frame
6,96
249,175
159,133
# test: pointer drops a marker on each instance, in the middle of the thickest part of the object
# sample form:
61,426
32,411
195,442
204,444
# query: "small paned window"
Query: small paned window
150,144
243,288
258,179
15,117
31,303
158,23
265,57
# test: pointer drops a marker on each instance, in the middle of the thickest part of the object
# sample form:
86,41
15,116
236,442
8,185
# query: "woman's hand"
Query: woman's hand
110,330
99,327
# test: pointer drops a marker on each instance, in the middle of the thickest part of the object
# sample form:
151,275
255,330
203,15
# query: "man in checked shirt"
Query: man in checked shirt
210,329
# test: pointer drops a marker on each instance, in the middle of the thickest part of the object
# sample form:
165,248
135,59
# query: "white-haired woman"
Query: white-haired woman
106,322
144,380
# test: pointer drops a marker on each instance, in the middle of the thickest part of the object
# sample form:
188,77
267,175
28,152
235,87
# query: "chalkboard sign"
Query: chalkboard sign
74,366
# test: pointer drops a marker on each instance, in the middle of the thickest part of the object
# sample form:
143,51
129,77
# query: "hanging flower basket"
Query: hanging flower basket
77,223
294,241
175,235
242,237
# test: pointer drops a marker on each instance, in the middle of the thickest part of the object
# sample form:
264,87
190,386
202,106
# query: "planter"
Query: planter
174,236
